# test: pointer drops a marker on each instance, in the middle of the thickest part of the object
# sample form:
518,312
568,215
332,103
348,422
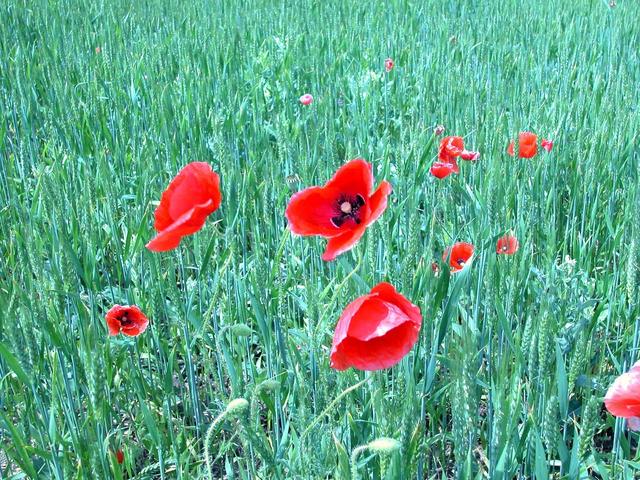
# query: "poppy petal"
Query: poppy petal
469,155
450,148
343,242
623,397
310,211
374,318
195,184
378,201
353,178
378,353
443,169
388,293
187,224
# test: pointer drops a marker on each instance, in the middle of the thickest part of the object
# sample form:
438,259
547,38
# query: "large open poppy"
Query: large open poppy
460,255
528,145
185,205
623,397
375,331
507,245
126,319
341,210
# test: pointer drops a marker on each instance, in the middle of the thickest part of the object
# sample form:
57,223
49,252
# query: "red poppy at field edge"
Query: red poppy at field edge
459,255
507,245
126,319
623,397
375,331
185,205
341,210
527,145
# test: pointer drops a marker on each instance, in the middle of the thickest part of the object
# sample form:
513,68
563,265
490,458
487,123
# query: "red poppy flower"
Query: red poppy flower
507,245
443,169
306,99
460,255
341,210
527,145
452,148
126,319
119,456
185,205
623,397
547,144
375,331
388,64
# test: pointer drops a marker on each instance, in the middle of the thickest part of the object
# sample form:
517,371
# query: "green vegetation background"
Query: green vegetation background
514,357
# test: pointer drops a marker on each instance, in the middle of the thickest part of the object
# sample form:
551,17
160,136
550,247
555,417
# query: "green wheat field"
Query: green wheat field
102,103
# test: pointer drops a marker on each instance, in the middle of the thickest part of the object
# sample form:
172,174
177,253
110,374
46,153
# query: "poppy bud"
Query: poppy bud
439,130
241,330
119,456
388,64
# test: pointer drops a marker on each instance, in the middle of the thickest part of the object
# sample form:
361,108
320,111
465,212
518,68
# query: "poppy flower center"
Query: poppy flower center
504,248
125,321
461,262
348,207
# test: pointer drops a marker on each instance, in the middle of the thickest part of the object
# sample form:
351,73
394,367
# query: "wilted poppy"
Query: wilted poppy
623,397
547,144
185,205
126,319
452,148
527,145
119,456
460,255
306,99
375,331
507,245
341,210
444,169
388,64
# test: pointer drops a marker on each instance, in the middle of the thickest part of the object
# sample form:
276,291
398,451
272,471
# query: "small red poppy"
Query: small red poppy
185,205
388,64
306,99
443,169
119,456
547,144
527,145
623,397
460,255
340,211
98,50
126,319
375,331
507,245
